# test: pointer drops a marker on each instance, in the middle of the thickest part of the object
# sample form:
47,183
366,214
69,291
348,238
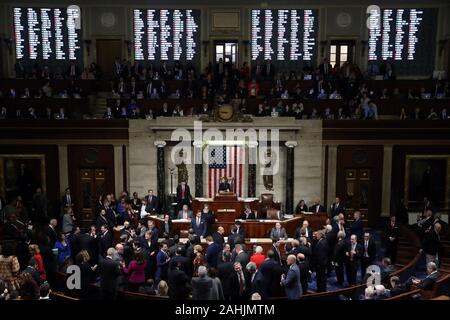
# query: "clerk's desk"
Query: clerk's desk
253,228
227,207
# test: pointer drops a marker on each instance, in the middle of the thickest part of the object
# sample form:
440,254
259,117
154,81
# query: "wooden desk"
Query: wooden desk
316,220
253,228
219,207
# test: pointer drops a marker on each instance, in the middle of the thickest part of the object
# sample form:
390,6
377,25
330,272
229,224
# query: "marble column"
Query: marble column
198,161
252,159
289,207
161,172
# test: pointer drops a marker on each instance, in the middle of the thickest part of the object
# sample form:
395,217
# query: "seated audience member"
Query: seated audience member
428,282
163,289
386,269
248,213
185,213
396,287
278,232
301,207
32,270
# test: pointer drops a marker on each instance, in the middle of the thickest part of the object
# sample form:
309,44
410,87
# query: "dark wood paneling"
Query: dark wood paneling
362,157
399,154
64,129
51,168
90,157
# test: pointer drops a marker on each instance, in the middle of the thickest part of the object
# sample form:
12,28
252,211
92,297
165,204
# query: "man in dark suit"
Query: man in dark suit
238,283
209,219
317,207
391,239
325,68
150,247
248,213
428,282
339,257
303,266
31,269
183,195
162,263
183,263
254,279
225,270
291,281
178,282
320,256
396,287
276,250
152,202
304,230
218,236
201,285
198,225
67,200
240,255
432,246
337,207
239,229
82,241
50,231
357,226
109,273
352,261
103,219
212,253
271,272
105,240
369,253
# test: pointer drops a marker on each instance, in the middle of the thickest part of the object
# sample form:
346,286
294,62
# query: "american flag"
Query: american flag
225,161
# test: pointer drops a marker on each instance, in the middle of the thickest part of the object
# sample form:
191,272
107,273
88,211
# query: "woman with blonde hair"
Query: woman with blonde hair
163,288
199,259
35,253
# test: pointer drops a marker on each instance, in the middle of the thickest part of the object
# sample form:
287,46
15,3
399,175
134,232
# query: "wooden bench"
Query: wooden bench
59,296
406,296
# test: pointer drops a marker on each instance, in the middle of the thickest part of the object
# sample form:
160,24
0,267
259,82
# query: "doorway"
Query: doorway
92,185
107,52
341,51
227,50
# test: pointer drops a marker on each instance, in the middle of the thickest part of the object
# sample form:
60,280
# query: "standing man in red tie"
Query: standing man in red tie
183,195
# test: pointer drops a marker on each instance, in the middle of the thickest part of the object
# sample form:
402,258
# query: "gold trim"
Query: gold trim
408,159
22,156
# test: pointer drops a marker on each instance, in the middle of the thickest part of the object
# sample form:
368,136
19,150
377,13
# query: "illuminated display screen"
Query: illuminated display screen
166,35
47,34
405,37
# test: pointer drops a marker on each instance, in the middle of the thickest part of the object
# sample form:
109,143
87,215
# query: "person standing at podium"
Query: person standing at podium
183,195
224,186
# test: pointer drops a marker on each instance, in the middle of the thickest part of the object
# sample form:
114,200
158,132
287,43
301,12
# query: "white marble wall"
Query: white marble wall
308,156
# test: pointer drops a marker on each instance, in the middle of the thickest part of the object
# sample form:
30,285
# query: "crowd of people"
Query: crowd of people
227,83
125,251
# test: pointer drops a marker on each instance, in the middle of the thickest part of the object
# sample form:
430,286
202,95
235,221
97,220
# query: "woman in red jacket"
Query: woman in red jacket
35,252
136,272
258,258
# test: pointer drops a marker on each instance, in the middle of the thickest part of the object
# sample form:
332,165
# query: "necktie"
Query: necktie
198,222
241,283
69,200
366,246
317,208
182,193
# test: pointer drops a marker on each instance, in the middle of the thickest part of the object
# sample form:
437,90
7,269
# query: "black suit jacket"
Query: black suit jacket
178,285
314,208
51,234
152,205
335,210
357,228
187,194
432,243
339,252
224,271
218,238
105,242
65,202
109,273
271,272
371,250
320,252
356,257
224,186
251,215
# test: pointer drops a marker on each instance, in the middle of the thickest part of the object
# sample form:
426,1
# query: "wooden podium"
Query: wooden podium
225,196
225,205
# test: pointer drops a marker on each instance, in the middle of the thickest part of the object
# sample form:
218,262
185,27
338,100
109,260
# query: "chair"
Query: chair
273,214
267,200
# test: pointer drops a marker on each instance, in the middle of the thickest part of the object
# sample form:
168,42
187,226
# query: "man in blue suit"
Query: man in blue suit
212,253
291,281
198,224
162,263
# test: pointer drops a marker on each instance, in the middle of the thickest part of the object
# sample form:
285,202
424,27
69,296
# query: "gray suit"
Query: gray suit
242,258
180,214
201,288
291,283
280,234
